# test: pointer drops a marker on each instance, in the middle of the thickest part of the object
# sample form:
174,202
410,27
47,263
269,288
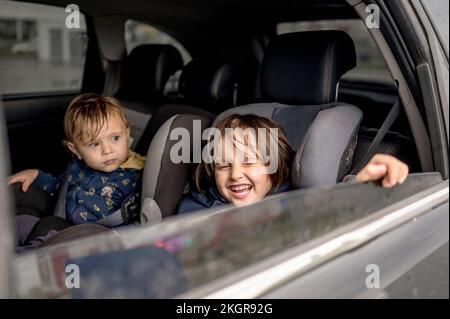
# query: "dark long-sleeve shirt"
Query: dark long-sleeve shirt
93,195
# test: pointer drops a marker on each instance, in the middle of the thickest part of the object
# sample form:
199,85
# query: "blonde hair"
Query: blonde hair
87,114
204,172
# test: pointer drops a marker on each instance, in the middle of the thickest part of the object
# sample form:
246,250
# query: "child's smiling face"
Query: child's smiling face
108,150
242,179
241,183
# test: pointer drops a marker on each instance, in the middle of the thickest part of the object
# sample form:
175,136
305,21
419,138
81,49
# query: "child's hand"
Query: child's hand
25,177
384,166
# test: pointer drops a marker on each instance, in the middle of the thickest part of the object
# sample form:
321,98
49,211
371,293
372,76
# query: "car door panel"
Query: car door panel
35,132
412,261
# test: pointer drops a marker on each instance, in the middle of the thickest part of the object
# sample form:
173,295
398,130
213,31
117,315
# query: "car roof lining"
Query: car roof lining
217,10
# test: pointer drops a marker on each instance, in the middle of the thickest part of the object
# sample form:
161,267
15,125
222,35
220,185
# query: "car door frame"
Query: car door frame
418,39
6,225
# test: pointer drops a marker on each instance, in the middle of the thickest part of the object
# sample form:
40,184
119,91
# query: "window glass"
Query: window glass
370,63
38,52
187,252
438,14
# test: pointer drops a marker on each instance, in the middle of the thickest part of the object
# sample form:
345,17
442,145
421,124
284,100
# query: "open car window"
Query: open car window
186,254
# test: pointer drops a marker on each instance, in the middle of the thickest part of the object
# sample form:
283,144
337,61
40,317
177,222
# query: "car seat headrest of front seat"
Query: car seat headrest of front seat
305,67
209,81
146,70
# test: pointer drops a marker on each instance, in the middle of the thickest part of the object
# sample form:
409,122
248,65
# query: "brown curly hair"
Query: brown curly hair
87,114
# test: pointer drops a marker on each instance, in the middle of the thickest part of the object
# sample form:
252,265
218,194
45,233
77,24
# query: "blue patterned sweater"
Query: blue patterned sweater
93,195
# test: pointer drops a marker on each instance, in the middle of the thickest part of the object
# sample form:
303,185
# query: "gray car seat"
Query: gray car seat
300,74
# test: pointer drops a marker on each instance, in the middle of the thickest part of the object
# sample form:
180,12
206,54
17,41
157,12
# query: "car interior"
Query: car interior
239,60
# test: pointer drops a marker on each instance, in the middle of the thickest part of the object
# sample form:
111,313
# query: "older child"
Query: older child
232,180
104,170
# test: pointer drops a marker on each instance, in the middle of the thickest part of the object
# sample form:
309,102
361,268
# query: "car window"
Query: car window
438,13
38,51
137,33
370,63
187,252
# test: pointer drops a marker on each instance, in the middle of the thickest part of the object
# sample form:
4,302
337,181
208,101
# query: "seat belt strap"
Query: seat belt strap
390,119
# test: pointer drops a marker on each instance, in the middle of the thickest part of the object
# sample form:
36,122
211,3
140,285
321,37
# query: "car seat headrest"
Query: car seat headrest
326,153
146,70
305,67
209,81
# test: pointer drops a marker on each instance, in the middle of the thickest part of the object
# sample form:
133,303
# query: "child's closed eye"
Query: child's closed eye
222,166
249,164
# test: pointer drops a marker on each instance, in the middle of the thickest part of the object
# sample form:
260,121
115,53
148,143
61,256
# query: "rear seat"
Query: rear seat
144,74
207,88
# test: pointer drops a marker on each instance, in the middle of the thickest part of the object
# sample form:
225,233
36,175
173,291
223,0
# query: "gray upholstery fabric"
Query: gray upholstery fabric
151,172
319,160
262,109
112,220
295,120
160,116
150,212
173,177
164,180
154,157
138,122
